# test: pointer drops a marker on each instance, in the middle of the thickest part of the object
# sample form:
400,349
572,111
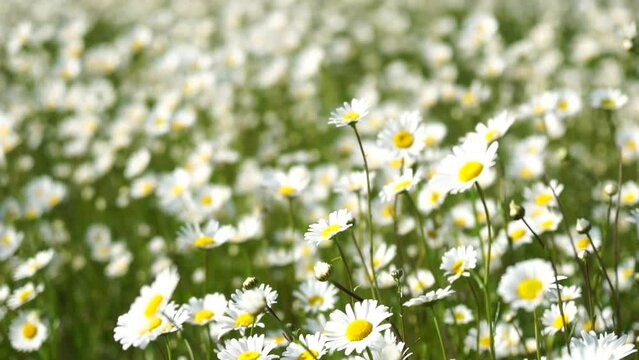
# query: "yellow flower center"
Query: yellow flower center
403,139
543,199
608,103
434,196
459,316
490,135
286,190
628,198
177,190
562,105
330,230
400,186
29,330
458,267
316,300
249,355
529,289
244,320
6,239
153,323
517,234
470,170
631,144
430,140
153,305
204,241
350,116
306,355
468,98
387,211
547,224
587,325
484,341
526,173
358,330
560,321
583,243
25,294
206,200
203,315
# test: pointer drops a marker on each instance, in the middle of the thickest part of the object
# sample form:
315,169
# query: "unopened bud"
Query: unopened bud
583,226
610,189
249,283
397,274
322,271
517,212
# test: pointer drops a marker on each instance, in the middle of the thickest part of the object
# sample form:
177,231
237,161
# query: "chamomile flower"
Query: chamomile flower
388,348
524,284
469,161
519,233
541,194
434,133
316,296
356,329
457,261
212,235
137,163
250,348
404,137
420,281
495,127
30,266
292,183
27,332
405,182
236,319
24,294
484,337
313,348
430,198
605,346
349,113
10,240
210,308
323,230
459,315
608,99
547,221
430,297
553,320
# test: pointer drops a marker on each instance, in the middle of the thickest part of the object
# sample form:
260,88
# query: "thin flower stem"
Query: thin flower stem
537,334
478,320
348,270
374,290
615,239
346,291
168,348
554,270
591,306
188,348
291,213
613,292
439,334
369,193
420,223
401,307
487,270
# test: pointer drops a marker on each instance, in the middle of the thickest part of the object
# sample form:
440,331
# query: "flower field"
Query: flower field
305,180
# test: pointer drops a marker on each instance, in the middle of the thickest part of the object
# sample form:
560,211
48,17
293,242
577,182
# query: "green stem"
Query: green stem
374,290
537,335
439,334
348,270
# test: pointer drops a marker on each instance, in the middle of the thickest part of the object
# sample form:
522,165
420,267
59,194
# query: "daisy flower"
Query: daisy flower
404,137
605,346
356,329
292,183
547,220
608,99
27,332
250,348
10,240
254,300
212,235
519,233
524,284
24,294
469,161
387,347
349,113
552,319
316,296
210,308
434,133
430,297
457,261
430,198
30,266
495,127
236,319
484,337
323,230
314,343
420,281
405,182
459,315
541,194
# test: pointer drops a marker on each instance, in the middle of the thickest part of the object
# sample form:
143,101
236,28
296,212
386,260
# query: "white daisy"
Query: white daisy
323,230
605,346
469,161
404,137
495,127
313,342
524,284
457,261
30,266
430,297
608,99
210,308
349,113
316,296
356,329
27,332
212,235
552,319
459,315
24,294
405,182
251,348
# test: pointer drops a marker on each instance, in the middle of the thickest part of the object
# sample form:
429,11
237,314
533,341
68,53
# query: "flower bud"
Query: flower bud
397,274
322,271
583,226
610,189
517,212
249,283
